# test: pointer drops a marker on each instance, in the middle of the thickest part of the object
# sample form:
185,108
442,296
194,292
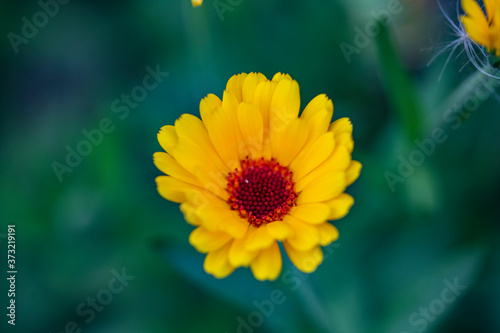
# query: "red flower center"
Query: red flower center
261,191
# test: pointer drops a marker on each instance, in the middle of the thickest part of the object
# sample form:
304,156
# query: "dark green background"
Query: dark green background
396,248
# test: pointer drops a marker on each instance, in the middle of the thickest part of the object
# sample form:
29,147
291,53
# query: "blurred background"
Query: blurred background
98,250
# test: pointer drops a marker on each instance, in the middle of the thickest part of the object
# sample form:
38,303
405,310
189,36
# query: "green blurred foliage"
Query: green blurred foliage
398,246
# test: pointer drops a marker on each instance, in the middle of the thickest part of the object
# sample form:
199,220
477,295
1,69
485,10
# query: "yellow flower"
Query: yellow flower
252,173
481,28
197,3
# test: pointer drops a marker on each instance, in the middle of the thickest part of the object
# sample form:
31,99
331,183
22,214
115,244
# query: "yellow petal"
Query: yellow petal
286,149
280,76
197,3
313,155
472,9
235,85
318,125
318,103
492,8
189,212
305,236
285,105
495,26
217,263
205,240
353,172
262,99
339,206
338,161
234,227
169,166
342,130
196,161
258,238
279,230
477,30
208,105
475,22
239,255
341,125
313,213
167,137
191,128
192,157
327,233
305,261
318,114
222,219
176,190
250,122
230,105
324,188
221,130
250,84
267,265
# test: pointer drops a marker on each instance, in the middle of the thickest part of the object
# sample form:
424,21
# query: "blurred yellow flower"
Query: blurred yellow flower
197,3
252,173
483,28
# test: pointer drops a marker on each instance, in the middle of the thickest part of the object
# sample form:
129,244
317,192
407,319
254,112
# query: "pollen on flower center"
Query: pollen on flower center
261,191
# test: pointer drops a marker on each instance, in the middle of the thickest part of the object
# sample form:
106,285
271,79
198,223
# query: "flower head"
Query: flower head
474,32
252,173
197,3
483,28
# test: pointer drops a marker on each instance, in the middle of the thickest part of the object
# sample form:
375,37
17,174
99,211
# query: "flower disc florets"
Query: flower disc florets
262,191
